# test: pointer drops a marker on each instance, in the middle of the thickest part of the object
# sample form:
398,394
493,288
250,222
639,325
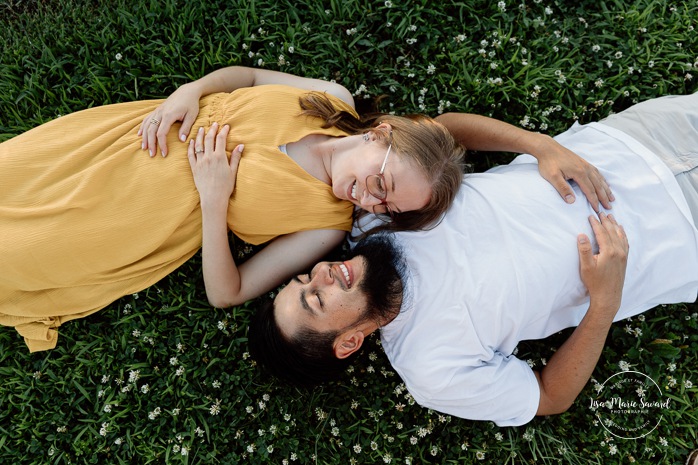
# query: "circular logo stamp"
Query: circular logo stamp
629,404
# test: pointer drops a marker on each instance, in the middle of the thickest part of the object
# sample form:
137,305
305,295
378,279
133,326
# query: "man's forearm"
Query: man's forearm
570,368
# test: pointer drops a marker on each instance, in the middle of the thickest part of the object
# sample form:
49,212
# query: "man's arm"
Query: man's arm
556,164
569,369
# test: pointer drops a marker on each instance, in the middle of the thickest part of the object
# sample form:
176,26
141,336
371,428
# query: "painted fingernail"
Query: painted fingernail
569,198
241,147
182,137
582,239
201,129
151,152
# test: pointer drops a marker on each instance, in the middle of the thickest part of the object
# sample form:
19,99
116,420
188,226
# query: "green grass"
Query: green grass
163,378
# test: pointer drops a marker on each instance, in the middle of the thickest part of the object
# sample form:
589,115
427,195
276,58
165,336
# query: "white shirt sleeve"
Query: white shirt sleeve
504,390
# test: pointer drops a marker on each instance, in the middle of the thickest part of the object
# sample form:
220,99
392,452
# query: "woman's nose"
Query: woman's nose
368,200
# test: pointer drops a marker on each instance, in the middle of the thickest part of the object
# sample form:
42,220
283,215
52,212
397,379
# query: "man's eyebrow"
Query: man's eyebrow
304,302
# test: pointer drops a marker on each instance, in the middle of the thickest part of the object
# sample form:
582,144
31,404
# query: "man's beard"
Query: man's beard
382,281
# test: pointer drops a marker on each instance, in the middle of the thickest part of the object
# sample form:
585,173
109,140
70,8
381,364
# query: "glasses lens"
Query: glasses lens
376,186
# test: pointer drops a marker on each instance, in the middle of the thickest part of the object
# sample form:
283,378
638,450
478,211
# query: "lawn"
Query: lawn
162,377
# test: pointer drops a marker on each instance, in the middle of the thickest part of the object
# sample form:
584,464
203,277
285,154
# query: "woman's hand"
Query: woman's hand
214,175
557,165
182,105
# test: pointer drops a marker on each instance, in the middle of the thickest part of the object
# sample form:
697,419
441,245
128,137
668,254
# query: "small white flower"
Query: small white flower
103,429
688,384
185,451
145,389
388,4
351,32
291,49
480,455
133,376
502,6
412,28
107,408
623,365
663,441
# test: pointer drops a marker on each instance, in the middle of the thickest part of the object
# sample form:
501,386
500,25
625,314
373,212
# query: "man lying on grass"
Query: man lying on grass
509,262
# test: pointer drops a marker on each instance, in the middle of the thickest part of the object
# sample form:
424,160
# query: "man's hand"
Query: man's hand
603,274
569,369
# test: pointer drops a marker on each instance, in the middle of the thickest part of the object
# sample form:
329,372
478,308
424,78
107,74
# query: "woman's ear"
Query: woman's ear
347,343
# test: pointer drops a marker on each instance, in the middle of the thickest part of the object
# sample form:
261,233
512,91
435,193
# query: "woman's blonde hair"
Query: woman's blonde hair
427,144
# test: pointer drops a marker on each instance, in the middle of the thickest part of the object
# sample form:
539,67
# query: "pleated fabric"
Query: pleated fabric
86,216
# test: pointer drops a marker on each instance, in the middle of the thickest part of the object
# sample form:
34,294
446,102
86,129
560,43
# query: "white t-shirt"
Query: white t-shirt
503,267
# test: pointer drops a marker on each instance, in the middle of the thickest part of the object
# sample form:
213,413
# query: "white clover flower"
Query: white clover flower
493,65
411,41
480,455
294,457
502,6
412,28
599,83
460,38
133,375
250,448
136,333
216,384
499,436
413,440
270,448
595,48
180,371
103,429
61,429
431,69
548,10
623,365
185,451
175,412
351,32
154,414
688,77
388,4
145,389
335,431
434,451
671,367
612,449
357,448
176,448
688,384
663,441
387,458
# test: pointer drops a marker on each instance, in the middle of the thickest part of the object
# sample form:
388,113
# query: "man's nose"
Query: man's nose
324,274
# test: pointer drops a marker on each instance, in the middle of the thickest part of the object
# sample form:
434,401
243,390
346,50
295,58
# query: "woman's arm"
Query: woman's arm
183,104
226,284
556,163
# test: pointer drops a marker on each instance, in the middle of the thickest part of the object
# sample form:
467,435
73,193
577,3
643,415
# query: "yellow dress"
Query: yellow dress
86,216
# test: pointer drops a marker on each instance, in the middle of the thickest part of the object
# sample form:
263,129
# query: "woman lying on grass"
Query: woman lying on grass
85,218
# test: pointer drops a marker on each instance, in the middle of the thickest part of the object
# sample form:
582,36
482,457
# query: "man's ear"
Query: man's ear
347,343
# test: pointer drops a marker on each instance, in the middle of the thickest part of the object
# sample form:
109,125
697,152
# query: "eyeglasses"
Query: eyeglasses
377,187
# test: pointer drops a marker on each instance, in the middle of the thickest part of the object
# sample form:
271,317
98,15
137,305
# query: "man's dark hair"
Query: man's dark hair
307,357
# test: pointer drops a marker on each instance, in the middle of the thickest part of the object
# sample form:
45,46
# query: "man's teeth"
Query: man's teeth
345,271
353,191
